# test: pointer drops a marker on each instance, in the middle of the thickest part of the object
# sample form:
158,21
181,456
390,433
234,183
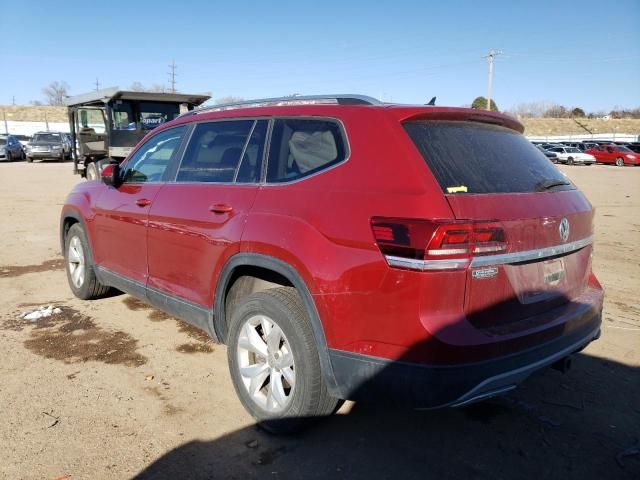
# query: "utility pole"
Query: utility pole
13,100
172,76
490,58
97,84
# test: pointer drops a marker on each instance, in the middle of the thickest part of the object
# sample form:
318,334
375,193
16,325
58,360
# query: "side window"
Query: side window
122,117
302,147
151,160
251,165
214,151
610,149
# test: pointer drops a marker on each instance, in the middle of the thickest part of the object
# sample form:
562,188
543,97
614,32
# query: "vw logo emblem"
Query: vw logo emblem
563,229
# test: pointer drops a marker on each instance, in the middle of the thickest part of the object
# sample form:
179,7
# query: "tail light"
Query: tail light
436,245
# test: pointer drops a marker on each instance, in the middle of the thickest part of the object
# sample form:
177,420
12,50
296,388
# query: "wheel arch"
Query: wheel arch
68,219
268,270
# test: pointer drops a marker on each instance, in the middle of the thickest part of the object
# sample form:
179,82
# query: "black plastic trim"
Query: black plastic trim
195,315
366,378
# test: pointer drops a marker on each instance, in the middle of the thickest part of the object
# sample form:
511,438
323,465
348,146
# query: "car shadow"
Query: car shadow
583,424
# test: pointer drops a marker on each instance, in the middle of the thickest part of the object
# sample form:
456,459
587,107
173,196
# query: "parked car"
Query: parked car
571,156
24,141
614,154
347,249
633,146
54,145
10,148
550,155
579,145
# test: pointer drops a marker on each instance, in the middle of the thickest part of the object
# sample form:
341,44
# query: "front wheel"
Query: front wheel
274,362
9,156
570,161
92,171
620,162
29,159
80,267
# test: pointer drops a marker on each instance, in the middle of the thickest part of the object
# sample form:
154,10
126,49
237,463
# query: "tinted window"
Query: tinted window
251,166
470,157
153,114
47,137
122,117
150,161
301,147
214,151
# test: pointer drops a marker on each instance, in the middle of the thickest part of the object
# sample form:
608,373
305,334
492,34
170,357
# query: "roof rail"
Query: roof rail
293,100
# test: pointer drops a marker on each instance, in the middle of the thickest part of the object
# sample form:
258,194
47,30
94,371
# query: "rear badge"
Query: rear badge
482,273
563,229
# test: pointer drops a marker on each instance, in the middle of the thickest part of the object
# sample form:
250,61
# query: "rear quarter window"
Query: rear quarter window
302,147
472,157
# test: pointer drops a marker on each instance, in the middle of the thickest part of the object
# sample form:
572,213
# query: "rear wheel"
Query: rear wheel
620,162
80,267
274,362
29,159
92,172
570,161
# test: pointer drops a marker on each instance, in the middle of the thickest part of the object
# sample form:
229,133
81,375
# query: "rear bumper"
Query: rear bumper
365,378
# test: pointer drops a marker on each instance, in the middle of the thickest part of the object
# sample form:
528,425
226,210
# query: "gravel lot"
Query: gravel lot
115,389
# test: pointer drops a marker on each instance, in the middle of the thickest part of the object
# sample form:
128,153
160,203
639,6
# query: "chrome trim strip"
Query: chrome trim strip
489,260
529,255
426,265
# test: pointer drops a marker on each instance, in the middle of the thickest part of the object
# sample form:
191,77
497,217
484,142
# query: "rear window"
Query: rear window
472,157
47,137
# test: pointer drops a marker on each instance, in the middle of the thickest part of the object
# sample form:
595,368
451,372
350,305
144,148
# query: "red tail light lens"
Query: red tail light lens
437,242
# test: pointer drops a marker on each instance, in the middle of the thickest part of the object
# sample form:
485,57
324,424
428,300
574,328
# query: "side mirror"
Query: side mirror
111,175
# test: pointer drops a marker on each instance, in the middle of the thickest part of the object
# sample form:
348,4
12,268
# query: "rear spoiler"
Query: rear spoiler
464,115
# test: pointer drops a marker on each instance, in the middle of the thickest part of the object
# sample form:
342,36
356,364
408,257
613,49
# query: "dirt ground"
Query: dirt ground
114,389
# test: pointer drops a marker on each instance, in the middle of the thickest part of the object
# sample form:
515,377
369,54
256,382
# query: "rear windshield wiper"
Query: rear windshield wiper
547,183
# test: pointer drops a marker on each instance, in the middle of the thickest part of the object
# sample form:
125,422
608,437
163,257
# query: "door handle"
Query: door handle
221,208
143,202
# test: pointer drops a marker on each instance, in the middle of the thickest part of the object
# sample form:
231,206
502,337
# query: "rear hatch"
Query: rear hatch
491,175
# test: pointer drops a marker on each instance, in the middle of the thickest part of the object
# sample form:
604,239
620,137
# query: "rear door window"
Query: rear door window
472,157
215,151
302,147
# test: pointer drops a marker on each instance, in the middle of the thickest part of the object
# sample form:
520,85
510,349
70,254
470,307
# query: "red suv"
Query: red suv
347,249
618,154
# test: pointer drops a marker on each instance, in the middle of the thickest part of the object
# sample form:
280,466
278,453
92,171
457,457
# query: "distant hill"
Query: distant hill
567,126
533,126
20,113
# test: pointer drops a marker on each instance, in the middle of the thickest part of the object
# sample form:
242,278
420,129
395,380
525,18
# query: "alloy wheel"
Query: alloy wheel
266,363
76,262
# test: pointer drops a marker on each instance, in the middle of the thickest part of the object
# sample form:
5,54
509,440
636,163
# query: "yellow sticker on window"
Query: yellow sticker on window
458,189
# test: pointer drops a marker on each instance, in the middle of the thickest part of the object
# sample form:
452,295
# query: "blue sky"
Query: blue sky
577,53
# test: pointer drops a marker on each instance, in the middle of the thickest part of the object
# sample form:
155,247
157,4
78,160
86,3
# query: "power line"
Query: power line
490,58
172,76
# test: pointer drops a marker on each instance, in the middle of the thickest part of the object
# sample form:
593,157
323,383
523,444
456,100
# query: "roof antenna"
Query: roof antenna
432,102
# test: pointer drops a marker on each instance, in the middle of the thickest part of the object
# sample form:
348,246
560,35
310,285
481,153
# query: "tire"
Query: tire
92,172
79,266
290,362
29,159
9,156
619,162
570,161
